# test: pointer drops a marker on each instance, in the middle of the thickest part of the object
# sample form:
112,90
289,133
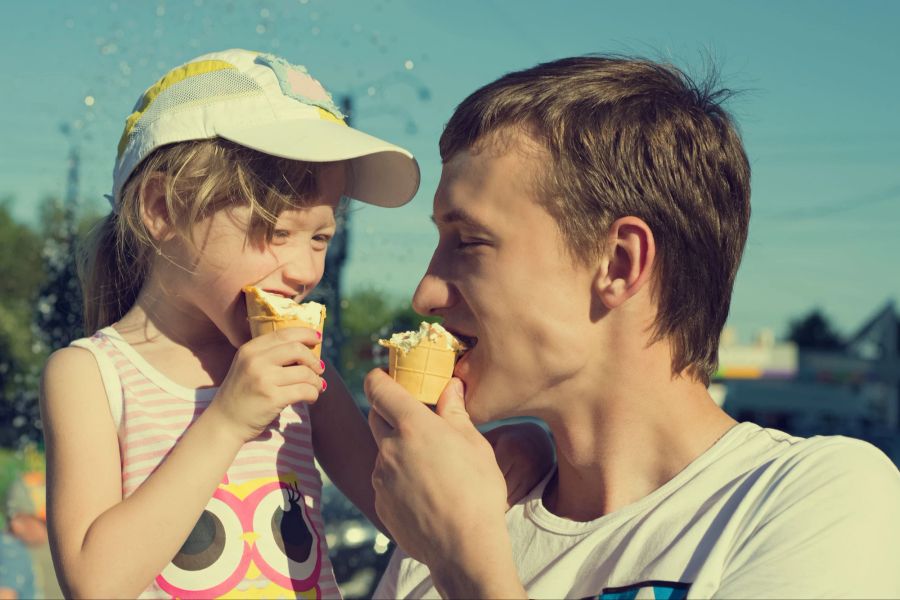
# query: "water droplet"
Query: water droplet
315,31
260,29
408,65
88,100
264,13
371,91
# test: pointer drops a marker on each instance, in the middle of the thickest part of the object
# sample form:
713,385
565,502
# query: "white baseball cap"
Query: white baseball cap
267,104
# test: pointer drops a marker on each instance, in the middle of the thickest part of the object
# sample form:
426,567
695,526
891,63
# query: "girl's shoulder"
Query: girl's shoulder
71,368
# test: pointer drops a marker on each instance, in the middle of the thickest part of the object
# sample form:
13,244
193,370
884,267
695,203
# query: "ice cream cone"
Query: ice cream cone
425,367
265,316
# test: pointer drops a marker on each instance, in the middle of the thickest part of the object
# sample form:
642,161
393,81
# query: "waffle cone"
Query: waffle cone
263,321
423,371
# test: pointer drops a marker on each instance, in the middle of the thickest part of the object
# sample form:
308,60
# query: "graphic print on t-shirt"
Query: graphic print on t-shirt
646,590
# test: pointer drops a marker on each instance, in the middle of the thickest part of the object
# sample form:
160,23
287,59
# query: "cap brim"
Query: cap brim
382,173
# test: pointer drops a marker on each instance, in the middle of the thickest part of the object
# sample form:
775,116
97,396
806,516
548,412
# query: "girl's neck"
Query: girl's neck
182,344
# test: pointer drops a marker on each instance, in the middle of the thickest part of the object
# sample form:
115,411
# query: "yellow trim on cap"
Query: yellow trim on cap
324,114
165,82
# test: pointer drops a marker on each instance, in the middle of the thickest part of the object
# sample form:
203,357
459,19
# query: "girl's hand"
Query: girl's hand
267,374
525,455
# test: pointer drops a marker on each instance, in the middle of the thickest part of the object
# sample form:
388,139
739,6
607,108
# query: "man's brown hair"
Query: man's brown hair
634,137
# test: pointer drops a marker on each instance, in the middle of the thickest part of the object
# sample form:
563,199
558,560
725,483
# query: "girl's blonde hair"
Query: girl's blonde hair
200,178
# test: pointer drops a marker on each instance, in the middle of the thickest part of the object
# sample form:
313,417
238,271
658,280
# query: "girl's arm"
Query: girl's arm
108,547
344,445
104,546
345,448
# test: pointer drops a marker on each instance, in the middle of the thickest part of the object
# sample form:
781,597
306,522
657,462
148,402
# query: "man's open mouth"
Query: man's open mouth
468,341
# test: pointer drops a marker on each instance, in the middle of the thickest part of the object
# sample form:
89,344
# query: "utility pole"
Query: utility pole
59,319
329,290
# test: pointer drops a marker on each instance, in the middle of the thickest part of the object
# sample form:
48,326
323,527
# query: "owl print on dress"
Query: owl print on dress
254,540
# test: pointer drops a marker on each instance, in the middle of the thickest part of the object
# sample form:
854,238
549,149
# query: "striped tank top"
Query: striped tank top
262,534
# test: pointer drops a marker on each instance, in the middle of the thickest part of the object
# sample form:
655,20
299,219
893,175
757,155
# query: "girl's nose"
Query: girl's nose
303,268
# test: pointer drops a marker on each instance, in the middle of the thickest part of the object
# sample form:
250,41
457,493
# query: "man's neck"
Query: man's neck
633,436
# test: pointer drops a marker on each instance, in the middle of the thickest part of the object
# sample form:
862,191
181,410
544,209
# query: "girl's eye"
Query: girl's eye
323,238
281,234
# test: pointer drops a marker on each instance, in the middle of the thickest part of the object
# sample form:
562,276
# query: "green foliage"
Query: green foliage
21,274
38,296
21,269
59,309
366,316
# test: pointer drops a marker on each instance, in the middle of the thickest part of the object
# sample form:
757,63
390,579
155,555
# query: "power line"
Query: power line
844,205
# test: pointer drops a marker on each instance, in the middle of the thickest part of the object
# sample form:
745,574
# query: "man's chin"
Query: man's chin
480,411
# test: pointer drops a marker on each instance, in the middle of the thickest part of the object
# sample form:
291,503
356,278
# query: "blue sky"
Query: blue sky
819,114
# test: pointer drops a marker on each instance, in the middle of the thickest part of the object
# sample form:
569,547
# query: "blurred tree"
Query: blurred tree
367,316
28,259
58,317
21,274
814,331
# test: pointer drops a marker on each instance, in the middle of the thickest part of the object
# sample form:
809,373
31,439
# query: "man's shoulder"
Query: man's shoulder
835,454
830,468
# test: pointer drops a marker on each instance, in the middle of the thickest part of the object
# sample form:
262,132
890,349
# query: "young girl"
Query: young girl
179,450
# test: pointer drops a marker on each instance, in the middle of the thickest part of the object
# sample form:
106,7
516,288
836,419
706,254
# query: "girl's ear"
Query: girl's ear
154,209
628,263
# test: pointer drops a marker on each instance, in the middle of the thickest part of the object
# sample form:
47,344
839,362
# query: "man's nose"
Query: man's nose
433,295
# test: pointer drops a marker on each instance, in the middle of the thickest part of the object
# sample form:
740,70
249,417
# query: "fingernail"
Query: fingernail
322,364
319,335
324,385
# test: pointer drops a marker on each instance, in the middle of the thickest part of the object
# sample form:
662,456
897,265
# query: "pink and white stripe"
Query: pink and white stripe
155,416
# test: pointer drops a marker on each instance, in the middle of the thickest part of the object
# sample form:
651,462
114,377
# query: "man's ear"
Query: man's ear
154,211
627,263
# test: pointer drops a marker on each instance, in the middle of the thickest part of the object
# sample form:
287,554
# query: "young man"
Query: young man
591,214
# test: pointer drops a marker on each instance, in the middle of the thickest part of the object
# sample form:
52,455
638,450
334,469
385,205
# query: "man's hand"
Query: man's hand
439,491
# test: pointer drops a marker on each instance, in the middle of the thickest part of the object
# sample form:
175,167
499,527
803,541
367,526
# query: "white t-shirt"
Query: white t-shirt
761,514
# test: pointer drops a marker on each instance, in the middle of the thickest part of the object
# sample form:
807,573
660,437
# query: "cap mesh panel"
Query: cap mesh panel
205,88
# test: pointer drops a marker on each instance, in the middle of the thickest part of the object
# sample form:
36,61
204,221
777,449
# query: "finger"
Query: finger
305,335
294,374
391,400
380,428
299,392
293,353
451,406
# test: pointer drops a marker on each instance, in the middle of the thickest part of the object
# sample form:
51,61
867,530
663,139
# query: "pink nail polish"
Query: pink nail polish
322,364
319,334
324,385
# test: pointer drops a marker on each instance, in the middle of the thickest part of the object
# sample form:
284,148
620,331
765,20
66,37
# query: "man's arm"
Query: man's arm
440,492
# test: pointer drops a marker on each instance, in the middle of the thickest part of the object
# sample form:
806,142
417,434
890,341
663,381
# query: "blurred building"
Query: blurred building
854,390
